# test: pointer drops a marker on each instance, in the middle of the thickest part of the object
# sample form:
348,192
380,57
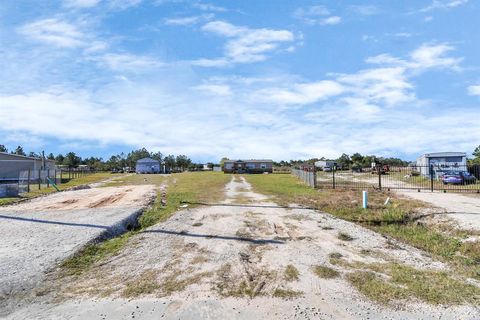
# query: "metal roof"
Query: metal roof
251,160
445,154
24,157
147,160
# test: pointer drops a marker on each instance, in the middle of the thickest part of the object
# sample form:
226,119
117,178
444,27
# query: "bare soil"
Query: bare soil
36,235
235,260
464,210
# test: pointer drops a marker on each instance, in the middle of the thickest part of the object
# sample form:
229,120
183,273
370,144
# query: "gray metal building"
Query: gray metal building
12,164
147,165
441,162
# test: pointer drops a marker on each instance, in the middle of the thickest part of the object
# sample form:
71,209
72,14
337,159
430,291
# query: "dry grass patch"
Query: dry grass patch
291,273
144,284
325,272
286,293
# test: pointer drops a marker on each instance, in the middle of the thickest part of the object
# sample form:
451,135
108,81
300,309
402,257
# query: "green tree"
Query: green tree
51,156
222,161
3,148
136,155
59,159
170,162
344,161
72,160
19,151
183,162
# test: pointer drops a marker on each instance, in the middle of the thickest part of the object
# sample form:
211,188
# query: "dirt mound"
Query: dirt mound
110,197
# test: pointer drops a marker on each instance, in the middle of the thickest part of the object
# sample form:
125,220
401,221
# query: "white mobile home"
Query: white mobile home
322,164
441,162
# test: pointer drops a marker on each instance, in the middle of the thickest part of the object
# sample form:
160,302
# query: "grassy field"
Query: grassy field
182,187
397,220
35,192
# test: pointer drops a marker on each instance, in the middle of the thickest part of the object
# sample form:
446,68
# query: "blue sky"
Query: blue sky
242,79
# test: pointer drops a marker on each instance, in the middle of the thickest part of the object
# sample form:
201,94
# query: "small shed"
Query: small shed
147,165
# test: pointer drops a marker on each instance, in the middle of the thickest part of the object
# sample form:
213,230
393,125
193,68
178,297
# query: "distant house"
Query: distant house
441,162
147,165
325,164
248,166
12,164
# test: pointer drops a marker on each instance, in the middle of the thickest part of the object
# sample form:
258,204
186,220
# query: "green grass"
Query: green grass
325,272
390,282
396,220
7,201
188,186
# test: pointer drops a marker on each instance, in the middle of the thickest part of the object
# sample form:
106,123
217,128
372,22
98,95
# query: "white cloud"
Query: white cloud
127,62
434,55
316,15
80,3
331,20
246,45
443,5
427,56
123,4
215,89
55,32
474,90
299,94
208,7
185,21
364,10
220,62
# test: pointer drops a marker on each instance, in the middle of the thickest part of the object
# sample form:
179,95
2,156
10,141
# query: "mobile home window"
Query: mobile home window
263,165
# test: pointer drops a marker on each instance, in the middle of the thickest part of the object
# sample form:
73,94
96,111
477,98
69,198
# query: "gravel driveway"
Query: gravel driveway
36,235
203,263
465,210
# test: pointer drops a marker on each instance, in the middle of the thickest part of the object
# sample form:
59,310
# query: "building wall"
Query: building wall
441,162
12,165
147,167
248,167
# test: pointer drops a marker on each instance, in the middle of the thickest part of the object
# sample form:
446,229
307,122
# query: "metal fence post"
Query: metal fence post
314,173
39,179
48,176
379,171
333,176
28,181
431,178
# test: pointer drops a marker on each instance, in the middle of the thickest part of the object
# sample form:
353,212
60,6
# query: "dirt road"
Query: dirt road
463,209
231,261
35,235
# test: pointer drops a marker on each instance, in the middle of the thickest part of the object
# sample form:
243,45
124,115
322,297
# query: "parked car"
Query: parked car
458,177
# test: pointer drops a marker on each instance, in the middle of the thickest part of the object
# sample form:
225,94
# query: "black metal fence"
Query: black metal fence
458,178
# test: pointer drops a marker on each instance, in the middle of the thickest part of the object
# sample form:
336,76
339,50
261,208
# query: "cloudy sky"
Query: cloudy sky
248,79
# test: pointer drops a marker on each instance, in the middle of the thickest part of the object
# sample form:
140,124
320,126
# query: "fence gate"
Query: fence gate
456,178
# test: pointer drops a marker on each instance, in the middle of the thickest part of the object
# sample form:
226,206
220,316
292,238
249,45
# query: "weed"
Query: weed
146,283
286,293
325,272
291,273
344,236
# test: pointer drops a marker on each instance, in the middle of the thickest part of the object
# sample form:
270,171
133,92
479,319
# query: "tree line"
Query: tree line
119,161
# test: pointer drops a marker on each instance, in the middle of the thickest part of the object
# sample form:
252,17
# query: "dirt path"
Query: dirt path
229,261
35,235
464,210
